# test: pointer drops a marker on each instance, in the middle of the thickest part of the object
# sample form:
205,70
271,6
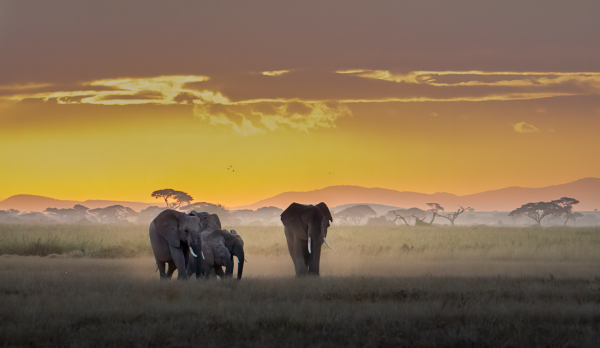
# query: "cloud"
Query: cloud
434,114
275,72
523,127
258,118
132,91
478,78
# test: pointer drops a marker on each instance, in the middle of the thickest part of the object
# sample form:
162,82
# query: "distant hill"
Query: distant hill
39,203
587,191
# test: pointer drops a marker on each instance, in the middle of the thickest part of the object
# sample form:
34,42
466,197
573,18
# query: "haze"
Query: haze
113,100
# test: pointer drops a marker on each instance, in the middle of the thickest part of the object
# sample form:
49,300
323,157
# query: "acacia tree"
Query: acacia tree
173,199
353,215
399,216
406,214
537,211
453,216
77,213
575,216
567,204
435,209
114,213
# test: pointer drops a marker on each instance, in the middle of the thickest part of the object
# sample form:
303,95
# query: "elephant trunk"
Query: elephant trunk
240,257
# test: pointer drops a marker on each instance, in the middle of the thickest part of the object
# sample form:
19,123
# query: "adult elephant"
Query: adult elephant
218,249
305,228
174,236
208,222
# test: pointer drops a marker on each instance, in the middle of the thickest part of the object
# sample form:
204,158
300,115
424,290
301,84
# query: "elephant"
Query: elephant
175,237
208,222
305,228
218,249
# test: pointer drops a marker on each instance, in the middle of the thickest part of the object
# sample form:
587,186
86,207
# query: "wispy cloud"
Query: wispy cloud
478,78
250,119
275,72
523,127
130,91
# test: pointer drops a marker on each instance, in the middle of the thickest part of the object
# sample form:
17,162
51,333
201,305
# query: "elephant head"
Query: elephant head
207,221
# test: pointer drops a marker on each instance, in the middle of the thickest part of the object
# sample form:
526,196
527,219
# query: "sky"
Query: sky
237,101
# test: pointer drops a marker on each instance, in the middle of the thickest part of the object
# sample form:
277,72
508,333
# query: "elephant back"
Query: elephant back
207,221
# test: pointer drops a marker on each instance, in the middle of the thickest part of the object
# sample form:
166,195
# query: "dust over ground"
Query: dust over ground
332,266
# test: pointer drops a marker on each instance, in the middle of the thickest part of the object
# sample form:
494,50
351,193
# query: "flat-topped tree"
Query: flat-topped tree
537,211
435,209
454,216
173,199
567,204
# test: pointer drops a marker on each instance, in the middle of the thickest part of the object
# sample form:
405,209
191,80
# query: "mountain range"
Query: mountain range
587,191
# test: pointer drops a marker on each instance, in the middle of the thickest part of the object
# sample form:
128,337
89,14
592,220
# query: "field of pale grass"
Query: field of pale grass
476,242
96,286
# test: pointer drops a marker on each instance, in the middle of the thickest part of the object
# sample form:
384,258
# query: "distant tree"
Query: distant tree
406,214
268,213
147,215
453,216
399,216
205,207
575,216
566,204
435,209
537,211
114,213
35,217
353,215
173,199
75,214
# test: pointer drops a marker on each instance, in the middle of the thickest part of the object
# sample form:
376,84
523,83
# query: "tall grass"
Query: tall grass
475,242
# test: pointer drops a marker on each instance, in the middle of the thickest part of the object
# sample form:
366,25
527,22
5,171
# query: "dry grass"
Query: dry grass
485,242
380,287
54,302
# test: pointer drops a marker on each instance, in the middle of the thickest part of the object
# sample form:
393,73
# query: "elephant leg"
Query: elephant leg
300,256
171,269
315,259
161,269
179,260
291,241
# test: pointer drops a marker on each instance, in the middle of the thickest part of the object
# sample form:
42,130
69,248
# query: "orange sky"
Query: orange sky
107,100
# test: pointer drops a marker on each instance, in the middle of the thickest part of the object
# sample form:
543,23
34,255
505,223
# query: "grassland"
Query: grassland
95,286
477,242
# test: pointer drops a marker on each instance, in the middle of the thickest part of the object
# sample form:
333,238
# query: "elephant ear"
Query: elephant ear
168,226
213,222
325,210
291,217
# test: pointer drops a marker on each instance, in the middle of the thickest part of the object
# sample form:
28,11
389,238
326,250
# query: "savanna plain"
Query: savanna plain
476,286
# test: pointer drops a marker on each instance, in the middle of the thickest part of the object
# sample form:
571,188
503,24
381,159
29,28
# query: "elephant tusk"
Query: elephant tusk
192,251
203,258
325,240
309,251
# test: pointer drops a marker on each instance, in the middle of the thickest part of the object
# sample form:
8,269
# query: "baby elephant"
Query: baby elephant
218,249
